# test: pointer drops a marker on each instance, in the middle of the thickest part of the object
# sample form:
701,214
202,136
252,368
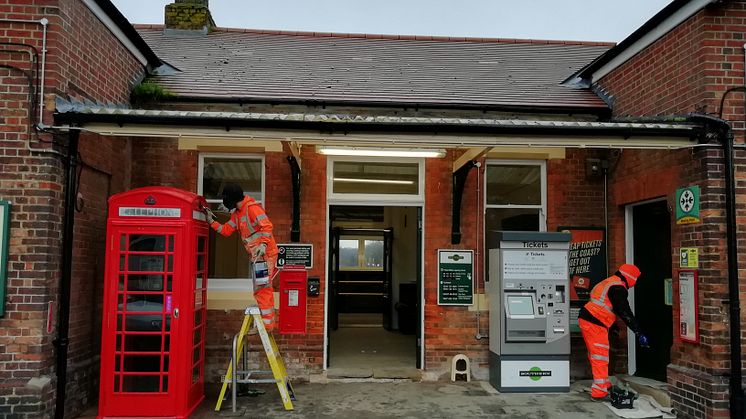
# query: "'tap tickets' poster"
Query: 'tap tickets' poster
587,260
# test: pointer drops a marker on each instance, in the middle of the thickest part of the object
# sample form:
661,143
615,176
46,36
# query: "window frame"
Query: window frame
541,207
385,199
242,156
361,253
230,282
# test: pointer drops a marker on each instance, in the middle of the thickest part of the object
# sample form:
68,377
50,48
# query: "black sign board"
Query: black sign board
295,255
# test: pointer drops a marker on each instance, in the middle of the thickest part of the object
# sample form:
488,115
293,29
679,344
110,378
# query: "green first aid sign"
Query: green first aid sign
687,205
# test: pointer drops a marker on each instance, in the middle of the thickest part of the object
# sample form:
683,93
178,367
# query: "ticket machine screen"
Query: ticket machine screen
520,306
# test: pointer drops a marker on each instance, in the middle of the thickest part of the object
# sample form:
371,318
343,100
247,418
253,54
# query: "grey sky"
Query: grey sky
590,20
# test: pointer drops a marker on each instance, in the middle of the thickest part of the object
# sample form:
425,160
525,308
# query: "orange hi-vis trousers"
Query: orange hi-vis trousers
265,296
597,341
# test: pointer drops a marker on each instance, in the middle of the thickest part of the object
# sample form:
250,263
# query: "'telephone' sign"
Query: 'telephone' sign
150,212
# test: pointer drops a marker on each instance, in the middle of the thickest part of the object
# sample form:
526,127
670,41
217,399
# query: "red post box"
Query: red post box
293,281
155,302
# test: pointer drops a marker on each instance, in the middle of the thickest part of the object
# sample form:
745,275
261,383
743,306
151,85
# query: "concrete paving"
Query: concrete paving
407,399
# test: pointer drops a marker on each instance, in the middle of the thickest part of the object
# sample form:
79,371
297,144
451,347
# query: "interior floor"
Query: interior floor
371,348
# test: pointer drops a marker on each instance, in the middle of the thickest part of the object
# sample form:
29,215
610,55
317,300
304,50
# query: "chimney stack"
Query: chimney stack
189,16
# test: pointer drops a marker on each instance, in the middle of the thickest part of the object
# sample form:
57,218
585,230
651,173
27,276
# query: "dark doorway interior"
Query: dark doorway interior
652,254
372,287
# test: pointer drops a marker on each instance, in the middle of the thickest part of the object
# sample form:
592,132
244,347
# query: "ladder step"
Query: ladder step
276,363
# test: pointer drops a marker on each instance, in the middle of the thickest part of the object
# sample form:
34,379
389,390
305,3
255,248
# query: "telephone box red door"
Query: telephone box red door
152,351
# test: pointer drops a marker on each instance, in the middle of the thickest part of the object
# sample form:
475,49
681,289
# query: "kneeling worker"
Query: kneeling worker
248,217
608,300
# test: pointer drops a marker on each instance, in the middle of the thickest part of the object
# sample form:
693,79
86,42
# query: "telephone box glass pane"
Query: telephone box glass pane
170,263
142,343
147,243
141,383
142,363
170,243
150,282
146,263
201,244
147,303
144,322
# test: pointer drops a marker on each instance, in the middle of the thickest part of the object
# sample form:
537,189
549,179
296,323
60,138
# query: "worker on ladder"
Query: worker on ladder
255,228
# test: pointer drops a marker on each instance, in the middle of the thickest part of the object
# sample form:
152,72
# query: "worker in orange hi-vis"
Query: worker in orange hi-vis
249,218
608,301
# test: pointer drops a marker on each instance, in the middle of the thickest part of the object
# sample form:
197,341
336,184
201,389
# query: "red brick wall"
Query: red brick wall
84,61
688,70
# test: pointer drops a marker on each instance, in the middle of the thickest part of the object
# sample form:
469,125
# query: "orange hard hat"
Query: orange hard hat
630,273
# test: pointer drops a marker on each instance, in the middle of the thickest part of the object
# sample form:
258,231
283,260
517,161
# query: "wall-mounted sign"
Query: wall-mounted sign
586,260
4,246
689,257
687,205
456,277
688,315
295,255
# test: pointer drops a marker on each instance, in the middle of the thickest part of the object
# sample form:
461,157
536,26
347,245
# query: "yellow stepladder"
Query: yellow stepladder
253,315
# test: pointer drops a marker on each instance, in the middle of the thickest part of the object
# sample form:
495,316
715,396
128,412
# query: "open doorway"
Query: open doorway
373,288
651,252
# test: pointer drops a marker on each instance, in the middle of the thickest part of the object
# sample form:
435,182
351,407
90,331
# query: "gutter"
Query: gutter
434,129
601,111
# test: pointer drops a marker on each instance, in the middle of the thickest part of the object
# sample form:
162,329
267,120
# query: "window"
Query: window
515,196
375,179
228,257
361,253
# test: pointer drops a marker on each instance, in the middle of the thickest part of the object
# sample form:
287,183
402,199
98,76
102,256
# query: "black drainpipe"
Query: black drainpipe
63,325
295,178
459,181
736,386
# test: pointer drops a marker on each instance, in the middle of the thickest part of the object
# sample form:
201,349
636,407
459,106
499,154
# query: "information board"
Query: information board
456,277
688,322
534,264
295,255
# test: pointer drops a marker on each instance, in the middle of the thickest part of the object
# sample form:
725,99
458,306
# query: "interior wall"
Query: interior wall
404,222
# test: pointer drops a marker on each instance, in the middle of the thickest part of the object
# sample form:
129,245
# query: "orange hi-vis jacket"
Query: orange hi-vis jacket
600,305
252,224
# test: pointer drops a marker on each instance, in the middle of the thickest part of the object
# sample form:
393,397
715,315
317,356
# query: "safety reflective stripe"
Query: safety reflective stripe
267,321
600,380
259,218
245,220
268,311
601,345
597,387
232,224
220,229
262,281
257,235
600,357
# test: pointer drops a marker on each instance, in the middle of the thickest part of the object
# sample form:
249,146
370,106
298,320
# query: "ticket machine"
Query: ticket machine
529,311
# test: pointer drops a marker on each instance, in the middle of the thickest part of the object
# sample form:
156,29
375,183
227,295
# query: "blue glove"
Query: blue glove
643,340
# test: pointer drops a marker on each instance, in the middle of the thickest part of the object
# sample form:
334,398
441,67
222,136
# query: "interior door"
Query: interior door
388,267
652,254
332,321
140,326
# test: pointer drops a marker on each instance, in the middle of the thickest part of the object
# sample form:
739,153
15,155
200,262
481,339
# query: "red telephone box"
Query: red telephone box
293,281
155,302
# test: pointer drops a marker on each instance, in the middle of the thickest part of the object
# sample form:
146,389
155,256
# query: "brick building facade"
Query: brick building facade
703,52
